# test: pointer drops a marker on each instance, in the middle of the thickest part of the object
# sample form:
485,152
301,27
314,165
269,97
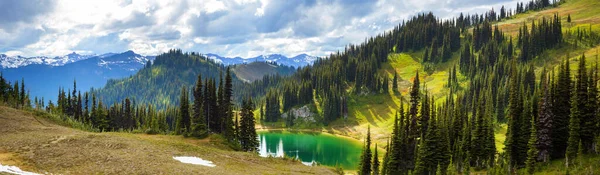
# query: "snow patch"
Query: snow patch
14,170
194,160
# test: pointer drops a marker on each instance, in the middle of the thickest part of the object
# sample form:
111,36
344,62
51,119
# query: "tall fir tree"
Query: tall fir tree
183,121
413,129
22,99
532,152
375,167
514,135
226,106
562,97
247,135
395,82
577,111
199,128
364,167
544,121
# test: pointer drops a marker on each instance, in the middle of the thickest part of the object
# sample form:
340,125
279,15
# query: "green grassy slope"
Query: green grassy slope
378,110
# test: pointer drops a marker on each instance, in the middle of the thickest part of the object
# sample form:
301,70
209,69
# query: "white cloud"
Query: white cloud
261,10
13,53
212,6
228,27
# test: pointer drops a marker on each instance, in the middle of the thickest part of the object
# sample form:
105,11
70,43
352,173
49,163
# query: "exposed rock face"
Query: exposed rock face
301,113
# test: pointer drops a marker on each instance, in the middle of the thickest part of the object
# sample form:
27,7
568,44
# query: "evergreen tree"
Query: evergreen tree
94,114
183,122
589,122
395,82
226,106
247,135
428,151
562,98
86,115
413,132
364,167
577,111
22,98
375,162
386,159
199,128
532,152
514,137
79,107
16,95
544,122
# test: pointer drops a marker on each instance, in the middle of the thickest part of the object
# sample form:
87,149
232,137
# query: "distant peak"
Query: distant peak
73,54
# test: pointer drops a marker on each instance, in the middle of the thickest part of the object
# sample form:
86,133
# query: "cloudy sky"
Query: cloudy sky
227,27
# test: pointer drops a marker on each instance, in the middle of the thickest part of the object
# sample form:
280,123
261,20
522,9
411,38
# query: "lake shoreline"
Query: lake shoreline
306,131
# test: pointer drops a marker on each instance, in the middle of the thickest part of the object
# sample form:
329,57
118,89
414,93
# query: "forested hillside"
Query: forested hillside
159,83
446,88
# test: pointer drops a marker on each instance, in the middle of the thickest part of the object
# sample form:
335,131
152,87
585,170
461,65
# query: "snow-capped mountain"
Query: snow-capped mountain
127,60
106,60
19,61
296,61
43,75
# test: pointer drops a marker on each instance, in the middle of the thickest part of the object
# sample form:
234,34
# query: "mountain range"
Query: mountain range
296,61
21,61
43,75
93,71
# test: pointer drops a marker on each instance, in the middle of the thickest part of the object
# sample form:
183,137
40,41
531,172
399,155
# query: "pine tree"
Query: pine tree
79,107
364,167
562,97
375,162
86,115
16,95
428,150
589,122
396,163
413,132
199,128
395,82
22,98
247,135
226,105
532,152
183,122
514,136
544,121
577,111
94,115
386,158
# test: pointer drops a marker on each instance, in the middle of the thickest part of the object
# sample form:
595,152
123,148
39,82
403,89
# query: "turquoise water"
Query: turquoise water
324,149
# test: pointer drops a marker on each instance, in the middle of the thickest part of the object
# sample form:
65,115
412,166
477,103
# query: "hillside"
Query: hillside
160,83
378,110
257,70
33,143
496,78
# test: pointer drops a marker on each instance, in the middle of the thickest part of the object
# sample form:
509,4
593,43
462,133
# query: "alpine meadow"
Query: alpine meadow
381,87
